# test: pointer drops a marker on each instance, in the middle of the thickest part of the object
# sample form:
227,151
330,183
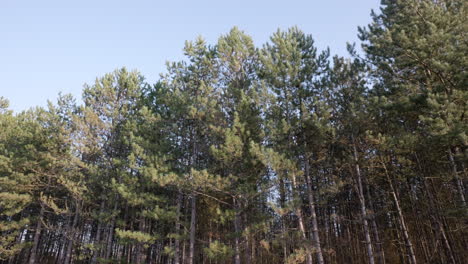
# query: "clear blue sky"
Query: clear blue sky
47,47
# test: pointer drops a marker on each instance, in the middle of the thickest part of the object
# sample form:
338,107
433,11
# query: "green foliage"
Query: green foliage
250,154
127,236
218,251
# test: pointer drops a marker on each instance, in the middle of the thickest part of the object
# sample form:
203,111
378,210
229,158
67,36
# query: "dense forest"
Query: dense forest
281,153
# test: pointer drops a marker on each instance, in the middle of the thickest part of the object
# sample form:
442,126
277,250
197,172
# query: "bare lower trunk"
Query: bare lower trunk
438,222
457,179
378,243
72,235
11,260
370,253
110,236
375,229
436,218
177,227
301,218
404,228
63,244
97,240
139,246
237,229
37,234
447,246
283,220
184,252
315,230
193,221
248,244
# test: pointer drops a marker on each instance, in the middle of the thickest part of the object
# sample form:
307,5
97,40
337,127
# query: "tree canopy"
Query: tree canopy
280,153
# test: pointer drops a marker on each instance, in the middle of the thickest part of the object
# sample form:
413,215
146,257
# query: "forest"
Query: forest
279,153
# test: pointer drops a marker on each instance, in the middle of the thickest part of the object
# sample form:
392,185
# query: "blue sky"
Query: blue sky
47,47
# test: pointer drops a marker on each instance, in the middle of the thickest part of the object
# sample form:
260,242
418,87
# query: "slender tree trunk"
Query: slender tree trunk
63,245
433,207
11,260
447,244
397,233
457,179
283,220
72,233
177,227
184,252
313,213
409,245
248,244
237,229
37,234
48,241
370,253
310,193
193,221
129,253
110,235
373,223
97,240
139,246
440,226
300,217
193,214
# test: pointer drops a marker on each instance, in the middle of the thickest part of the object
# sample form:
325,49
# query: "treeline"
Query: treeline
244,154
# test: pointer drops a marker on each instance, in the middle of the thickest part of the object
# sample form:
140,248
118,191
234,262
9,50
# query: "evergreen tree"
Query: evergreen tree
188,100
291,68
240,136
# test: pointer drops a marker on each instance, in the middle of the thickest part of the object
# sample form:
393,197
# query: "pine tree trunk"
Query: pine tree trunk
11,260
404,228
248,249
313,213
184,252
300,217
457,179
375,229
283,220
193,222
110,236
139,246
310,193
97,240
177,227
37,234
370,253
237,230
63,246
436,219
71,239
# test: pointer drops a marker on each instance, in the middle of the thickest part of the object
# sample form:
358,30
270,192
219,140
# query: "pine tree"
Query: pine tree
417,49
291,67
39,174
416,55
188,99
105,124
240,134
15,197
